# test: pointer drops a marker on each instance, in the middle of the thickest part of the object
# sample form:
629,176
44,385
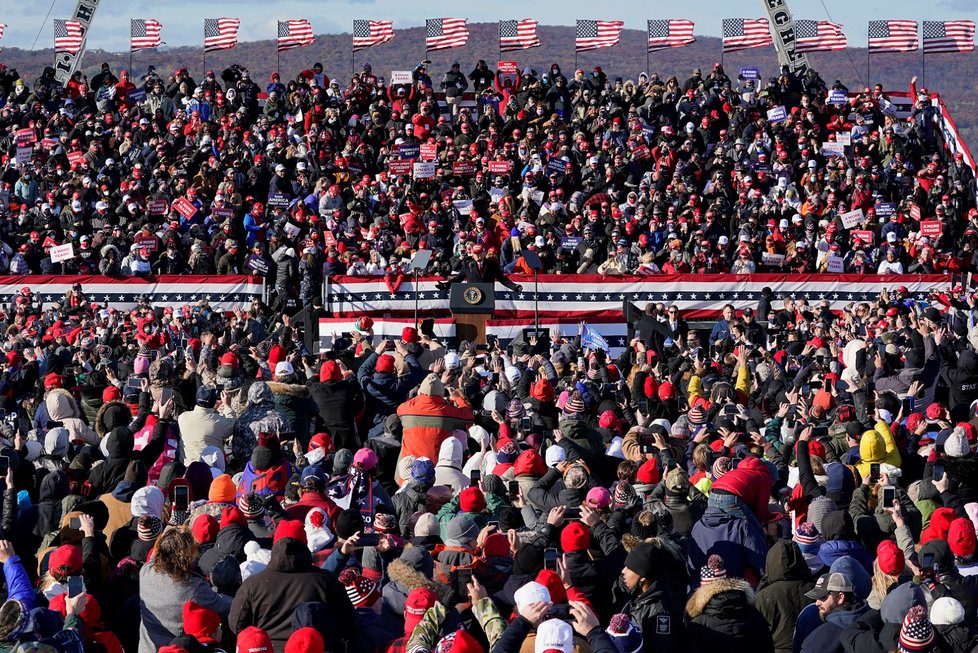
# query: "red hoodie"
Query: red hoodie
752,482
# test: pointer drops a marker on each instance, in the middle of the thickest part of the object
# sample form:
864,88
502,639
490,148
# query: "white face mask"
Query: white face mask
315,455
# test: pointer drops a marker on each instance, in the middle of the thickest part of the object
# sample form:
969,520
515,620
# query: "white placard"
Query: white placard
291,230
425,169
401,77
834,264
833,149
24,155
768,258
852,218
464,207
843,138
62,253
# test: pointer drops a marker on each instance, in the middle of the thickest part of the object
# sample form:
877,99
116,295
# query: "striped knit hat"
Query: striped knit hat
713,570
806,535
721,466
515,410
149,528
251,505
575,404
917,633
362,591
696,416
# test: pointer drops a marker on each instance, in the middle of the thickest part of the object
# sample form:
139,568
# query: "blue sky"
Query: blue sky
183,24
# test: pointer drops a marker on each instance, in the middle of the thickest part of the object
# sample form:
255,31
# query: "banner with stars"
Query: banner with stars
223,292
589,296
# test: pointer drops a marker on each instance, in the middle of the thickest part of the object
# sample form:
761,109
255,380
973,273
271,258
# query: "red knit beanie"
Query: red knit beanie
305,640
290,528
205,529
200,622
385,364
575,537
961,537
471,500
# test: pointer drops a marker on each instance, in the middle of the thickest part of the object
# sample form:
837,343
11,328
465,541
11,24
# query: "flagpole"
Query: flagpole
353,51
923,65
204,58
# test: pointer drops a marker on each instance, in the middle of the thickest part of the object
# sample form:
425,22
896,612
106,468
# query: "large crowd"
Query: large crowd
187,480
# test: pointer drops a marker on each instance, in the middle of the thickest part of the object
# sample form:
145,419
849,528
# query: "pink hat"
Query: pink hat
365,458
598,497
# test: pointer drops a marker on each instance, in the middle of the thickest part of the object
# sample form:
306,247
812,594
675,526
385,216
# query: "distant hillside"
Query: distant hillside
954,76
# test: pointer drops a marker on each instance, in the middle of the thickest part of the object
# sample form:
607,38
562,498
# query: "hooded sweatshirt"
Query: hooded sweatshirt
448,471
781,592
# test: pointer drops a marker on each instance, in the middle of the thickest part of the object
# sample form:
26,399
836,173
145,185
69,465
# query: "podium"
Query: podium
471,305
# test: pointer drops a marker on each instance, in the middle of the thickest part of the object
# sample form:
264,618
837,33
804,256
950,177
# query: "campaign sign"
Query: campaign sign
834,264
558,166
464,207
915,212
137,95
750,73
157,207
864,235
833,149
641,153
424,169
463,168
507,67
884,210
838,97
257,264
184,207
400,166
931,228
147,242
292,230
25,137
62,253
409,150
76,158
570,242
24,155
843,138
401,77
774,260
222,213
329,239
427,152
499,167
777,114
276,200
852,218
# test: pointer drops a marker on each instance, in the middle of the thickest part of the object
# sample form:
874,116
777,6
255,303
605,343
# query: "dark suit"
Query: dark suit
486,271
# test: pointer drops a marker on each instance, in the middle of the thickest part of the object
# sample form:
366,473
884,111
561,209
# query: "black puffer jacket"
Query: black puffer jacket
339,404
268,599
721,616
111,471
962,588
781,592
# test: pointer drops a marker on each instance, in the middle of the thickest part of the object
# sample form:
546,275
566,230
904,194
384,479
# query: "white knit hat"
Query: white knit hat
946,611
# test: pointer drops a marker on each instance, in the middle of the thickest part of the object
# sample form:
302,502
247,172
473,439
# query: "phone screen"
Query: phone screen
938,471
134,383
474,477
514,488
526,424
874,472
76,586
889,496
181,498
166,394
368,539
550,559
462,579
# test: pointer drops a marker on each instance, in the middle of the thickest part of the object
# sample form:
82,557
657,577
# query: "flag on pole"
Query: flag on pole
596,34
68,36
670,33
949,36
3,26
743,33
446,33
368,33
518,35
294,34
591,339
892,35
144,34
818,36
220,33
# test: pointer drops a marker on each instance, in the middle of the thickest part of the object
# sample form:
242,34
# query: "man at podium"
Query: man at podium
480,269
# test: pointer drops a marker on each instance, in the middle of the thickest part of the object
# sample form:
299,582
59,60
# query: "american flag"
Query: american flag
743,33
518,35
446,33
220,33
949,36
818,36
892,35
294,34
596,34
368,33
3,26
144,34
68,36
671,33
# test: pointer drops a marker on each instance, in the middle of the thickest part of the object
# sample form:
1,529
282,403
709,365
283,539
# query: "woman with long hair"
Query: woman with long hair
166,582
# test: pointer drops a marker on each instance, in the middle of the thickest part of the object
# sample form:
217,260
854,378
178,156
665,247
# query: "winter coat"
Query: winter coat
339,404
403,578
384,392
827,637
201,428
781,592
62,407
738,540
428,421
659,616
161,600
261,416
119,506
111,471
294,404
268,598
722,616
410,499
448,470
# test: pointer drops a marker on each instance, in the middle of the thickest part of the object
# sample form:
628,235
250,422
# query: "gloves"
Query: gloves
519,288
443,285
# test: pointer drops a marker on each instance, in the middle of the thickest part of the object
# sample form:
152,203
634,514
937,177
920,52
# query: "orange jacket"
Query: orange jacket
428,421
